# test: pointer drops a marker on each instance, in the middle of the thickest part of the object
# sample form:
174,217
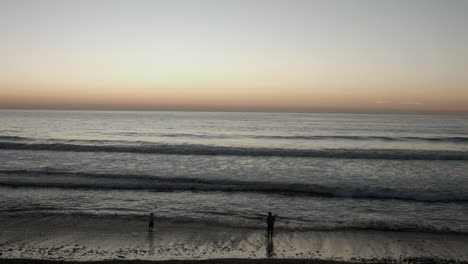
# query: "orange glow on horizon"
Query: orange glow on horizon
319,56
229,99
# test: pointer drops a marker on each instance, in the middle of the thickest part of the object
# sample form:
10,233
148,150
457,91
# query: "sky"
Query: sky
361,56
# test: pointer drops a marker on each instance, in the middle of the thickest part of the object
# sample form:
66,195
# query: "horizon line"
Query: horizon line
394,112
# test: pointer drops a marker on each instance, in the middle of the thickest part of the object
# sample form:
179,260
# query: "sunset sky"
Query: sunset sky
254,55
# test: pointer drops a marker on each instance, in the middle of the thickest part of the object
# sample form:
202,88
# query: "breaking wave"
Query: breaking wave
193,149
453,139
81,180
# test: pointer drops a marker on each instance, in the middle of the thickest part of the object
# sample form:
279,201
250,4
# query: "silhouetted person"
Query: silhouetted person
270,224
151,223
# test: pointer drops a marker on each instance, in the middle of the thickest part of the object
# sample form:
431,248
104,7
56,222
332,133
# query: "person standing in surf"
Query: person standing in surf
270,224
151,223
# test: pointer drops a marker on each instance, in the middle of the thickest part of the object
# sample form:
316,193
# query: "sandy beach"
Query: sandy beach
234,261
86,238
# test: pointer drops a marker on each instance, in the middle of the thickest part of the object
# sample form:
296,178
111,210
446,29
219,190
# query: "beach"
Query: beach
80,186
233,132
234,261
84,238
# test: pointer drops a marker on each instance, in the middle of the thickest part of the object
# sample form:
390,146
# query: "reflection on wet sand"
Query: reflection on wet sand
99,238
270,248
151,242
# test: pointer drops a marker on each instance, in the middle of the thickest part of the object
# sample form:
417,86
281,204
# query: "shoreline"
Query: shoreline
236,261
67,238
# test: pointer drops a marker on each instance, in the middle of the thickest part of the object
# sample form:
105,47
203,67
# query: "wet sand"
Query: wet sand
85,238
235,261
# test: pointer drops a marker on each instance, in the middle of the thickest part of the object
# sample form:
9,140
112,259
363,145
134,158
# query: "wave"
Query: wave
454,139
365,138
81,180
192,149
303,137
315,137
13,138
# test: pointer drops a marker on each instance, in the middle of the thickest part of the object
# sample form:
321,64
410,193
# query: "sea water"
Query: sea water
315,171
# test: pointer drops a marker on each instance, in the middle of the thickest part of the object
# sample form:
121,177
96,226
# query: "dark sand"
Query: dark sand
85,238
235,261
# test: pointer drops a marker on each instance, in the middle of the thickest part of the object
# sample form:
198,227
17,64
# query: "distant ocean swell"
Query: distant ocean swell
2,137
304,137
276,137
80,180
193,149
364,138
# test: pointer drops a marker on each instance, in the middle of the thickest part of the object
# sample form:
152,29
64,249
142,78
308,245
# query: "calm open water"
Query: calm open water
316,171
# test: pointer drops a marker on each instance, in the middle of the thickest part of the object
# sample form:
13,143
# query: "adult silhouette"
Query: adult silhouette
151,223
270,224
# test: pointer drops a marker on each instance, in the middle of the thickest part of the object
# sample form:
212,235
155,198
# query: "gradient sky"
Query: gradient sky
407,56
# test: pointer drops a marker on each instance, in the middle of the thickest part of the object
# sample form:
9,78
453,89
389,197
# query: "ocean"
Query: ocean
314,171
